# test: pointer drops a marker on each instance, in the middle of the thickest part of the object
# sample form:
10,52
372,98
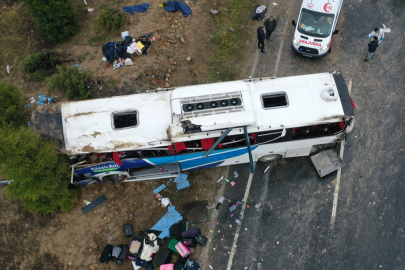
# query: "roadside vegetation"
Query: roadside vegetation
74,82
40,175
40,65
110,19
230,45
57,19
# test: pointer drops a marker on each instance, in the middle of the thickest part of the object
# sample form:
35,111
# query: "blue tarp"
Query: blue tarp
159,189
139,8
164,224
174,6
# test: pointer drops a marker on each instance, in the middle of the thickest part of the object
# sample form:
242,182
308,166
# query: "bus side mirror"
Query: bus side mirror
293,23
335,32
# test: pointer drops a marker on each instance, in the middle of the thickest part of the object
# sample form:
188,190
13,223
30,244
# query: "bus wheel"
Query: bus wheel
269,158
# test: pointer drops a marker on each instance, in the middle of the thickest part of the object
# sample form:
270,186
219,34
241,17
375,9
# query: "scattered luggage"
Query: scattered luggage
180,263
189,242
202,240
106,255
93,204
141,262
134,249
182,250
128,231
192,265
191,233
116,253
161,241
124,253
177,229
169,266
163,257
172,245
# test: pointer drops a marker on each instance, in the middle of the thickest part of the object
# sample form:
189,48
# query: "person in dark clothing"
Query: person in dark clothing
372,47
260,37
270,24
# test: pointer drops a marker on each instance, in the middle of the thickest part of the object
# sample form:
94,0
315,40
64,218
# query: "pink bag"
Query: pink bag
182,249
169,266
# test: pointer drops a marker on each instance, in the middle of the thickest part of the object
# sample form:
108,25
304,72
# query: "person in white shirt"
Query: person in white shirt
379,33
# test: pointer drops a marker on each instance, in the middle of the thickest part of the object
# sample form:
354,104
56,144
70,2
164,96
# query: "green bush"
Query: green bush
72,81
40,176
40,65
11,106
57,19
110,20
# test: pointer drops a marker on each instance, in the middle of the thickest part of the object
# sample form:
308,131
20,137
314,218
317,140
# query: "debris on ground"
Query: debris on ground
235,174
232,208
159,189
182,181
221,200
139,8
94,204
214,12
222,177
266,168
8,68
164,224
258,205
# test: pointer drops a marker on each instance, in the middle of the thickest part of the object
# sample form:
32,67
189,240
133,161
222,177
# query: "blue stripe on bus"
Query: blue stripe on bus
207,166
199,161
187,161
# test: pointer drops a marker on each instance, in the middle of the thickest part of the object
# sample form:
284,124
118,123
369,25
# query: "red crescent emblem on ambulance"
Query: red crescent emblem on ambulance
327,7
310,4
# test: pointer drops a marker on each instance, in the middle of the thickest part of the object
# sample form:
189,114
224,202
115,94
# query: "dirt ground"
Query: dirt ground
74,240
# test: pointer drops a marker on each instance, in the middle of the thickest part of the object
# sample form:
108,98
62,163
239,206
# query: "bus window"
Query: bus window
125,119
237,141
269,136
318,130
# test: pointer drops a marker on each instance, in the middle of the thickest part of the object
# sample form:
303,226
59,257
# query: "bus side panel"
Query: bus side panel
216,158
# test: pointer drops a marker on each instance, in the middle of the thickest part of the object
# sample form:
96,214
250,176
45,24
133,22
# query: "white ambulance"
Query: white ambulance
315,28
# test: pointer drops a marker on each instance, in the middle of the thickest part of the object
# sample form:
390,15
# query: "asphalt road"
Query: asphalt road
288,232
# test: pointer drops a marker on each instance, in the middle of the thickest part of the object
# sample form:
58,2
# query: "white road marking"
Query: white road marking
339,174
281,45
242,213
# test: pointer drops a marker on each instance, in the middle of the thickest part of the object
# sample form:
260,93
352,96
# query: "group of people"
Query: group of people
377,36
264,32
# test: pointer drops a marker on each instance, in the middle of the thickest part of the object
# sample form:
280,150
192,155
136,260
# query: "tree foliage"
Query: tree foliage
72,81
40,65
41,176
11,106
57,19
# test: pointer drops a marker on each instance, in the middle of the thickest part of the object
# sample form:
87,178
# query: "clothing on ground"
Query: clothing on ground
174,6
139,8
379,35
260,9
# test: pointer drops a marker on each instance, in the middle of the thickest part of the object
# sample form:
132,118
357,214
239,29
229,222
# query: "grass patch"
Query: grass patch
110,19
229,46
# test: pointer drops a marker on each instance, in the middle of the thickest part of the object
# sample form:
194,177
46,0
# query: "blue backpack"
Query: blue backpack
192,265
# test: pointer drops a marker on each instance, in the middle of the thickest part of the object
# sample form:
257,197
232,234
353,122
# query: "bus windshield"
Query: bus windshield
315,24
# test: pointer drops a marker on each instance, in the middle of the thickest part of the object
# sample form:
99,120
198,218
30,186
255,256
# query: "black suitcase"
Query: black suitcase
189,242
128,230
106,255
163,257
161,241
124,253
202,240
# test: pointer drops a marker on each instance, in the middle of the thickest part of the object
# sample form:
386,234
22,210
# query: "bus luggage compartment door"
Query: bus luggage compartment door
170,170
298,152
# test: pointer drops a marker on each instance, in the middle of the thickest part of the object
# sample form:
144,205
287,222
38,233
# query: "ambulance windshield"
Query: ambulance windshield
315,24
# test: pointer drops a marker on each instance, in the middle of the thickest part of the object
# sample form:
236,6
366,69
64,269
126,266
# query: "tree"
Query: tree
57,19
40,176
11,106
72,81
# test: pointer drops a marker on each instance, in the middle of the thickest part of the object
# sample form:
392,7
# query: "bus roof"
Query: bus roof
88,125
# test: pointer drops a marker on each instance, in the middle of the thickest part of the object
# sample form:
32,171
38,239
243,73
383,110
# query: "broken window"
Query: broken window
274,100
125,119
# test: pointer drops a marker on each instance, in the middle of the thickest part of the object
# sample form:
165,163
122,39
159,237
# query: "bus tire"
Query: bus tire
269,158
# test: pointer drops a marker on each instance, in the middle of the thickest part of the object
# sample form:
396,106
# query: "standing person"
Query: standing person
378,33
270,24
260,37
372,46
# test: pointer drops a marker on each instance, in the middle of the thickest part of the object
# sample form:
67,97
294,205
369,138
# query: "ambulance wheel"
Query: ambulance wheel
269,158
330,49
